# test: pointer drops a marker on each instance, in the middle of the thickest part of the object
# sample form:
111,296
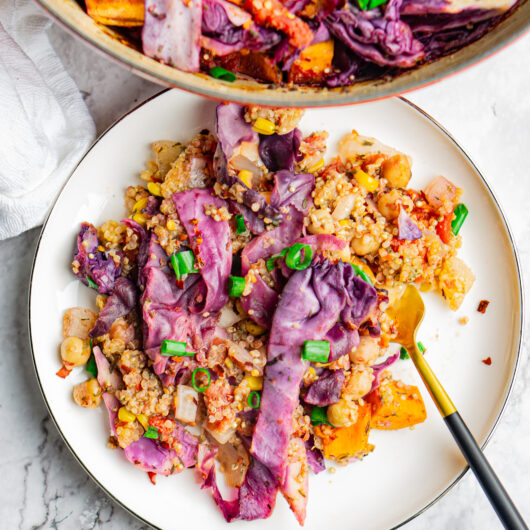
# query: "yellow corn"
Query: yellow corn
246,176
140,205
229,363
344,222
171,225
317,166
254,383
101,248
254,329
144,420
126,415
139,218
263,126
365,180
312,372
154,189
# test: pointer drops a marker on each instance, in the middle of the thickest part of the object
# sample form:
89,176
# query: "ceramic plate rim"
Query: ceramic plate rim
520,285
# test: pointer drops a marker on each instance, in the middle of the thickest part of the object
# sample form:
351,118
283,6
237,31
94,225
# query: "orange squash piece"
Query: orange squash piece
396,405
126,13
347,442
313,64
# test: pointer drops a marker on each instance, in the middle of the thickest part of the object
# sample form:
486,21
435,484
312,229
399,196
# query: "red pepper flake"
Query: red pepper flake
487,361
482,306
152,477
63,372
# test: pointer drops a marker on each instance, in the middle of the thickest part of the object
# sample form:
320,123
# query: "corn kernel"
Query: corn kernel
144,420
139,218
365,180
312,372
154,189
263,126
125,415
254,383
254,329
229,363
246,176
317,166
171,225
101,248
344,222
140,205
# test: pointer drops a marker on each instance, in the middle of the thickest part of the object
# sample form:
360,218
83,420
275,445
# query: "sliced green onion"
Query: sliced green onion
253,400
91,282
183,263
241,227
363,4
194,375
170,348
421,347
236,285
91,366
316,351
359,272
293,259
271,262
403,354
319,415
152,432
221,73
460,214
376,3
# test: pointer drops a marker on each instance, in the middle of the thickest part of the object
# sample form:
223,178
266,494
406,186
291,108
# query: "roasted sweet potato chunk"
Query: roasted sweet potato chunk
127,13
346,442
396,406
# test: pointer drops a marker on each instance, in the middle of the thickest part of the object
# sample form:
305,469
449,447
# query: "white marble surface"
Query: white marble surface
487,108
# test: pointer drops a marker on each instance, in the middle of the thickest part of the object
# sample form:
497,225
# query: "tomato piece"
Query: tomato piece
443,228
63,372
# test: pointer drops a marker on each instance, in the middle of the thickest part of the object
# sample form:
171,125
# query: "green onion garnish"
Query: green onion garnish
359,272
221,73
376,3
194,375
319,415
271,262
236,285
293,259
91,366
316,351
241,227
403,354
91,283
183,263
421,347
253,400
152,432
170,348
460,214
363,4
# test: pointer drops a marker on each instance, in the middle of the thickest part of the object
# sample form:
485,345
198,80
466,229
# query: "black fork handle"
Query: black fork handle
494,490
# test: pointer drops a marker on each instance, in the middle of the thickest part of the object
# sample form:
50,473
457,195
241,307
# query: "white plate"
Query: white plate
409,469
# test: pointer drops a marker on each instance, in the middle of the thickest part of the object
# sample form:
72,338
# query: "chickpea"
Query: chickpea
396,171
344,413
366,244
321,222
74,351
359,384
367,352
87,394
388,204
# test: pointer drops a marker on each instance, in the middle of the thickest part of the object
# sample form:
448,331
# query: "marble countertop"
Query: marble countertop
486,108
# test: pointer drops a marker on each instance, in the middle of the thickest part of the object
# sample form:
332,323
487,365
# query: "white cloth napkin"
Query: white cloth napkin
45,127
